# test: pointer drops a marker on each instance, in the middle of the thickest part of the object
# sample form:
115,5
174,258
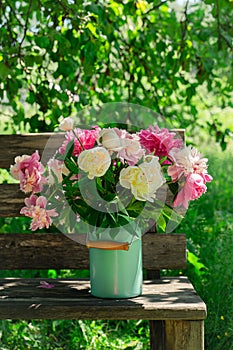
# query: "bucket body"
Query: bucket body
116,273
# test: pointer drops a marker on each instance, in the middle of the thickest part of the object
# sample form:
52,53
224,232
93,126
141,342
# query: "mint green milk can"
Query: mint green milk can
116,272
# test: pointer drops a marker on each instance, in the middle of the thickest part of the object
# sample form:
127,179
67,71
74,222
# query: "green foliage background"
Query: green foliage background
57,57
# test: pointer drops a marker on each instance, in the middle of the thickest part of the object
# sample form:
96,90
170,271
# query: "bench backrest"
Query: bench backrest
55,250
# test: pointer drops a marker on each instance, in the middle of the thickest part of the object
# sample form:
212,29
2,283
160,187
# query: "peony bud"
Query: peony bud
66,124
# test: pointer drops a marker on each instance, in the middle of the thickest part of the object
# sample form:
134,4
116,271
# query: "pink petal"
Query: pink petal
31,201
46,285
41,201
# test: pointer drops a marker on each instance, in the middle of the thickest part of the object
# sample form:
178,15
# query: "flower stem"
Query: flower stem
78,139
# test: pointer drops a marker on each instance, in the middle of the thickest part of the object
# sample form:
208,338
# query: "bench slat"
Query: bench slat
12,146
169,298
11,200
57,251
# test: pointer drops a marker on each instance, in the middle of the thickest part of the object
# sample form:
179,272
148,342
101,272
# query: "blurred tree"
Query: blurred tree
59,56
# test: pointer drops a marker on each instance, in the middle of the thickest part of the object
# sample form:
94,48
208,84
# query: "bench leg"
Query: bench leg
184,335
157,335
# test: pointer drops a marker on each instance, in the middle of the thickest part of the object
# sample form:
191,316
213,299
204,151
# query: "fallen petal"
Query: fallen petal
44,284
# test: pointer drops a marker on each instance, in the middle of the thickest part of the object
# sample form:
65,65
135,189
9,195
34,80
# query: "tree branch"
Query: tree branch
25,29
218,24
155,7
14,13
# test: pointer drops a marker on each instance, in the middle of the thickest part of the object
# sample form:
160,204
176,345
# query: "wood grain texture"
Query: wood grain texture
157,335
45,251
11,200
162,251
12,146
184,335
168,299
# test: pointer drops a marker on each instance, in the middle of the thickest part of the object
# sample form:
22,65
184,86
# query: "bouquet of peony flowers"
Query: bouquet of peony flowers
108,177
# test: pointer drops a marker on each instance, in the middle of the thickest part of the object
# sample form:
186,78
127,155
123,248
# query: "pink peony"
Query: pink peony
87,138
193,188
190,166
131,150
158,141
29,170
36,209
188,161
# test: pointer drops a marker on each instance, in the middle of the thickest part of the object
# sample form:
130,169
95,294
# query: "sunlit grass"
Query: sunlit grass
69,335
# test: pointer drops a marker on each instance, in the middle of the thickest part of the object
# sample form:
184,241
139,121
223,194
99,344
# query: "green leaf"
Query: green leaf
123,219
160,46
198,266
31,97
71,166
69,149
89,57
161,223
79,206
135,209
42,41
31,60
109,176
4,70
92,29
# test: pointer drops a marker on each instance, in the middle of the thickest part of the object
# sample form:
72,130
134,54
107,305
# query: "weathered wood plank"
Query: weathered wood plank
41,251
11,200
184,335
45,251
13,145
168,299
162,251
157,335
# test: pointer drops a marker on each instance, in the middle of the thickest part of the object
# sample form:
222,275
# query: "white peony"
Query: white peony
95,161
109,139
66,124
143,180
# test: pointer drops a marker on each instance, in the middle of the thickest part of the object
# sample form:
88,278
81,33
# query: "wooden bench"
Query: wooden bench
175,312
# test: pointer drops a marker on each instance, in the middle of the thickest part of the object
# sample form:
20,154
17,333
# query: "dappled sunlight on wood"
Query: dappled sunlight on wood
170,298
